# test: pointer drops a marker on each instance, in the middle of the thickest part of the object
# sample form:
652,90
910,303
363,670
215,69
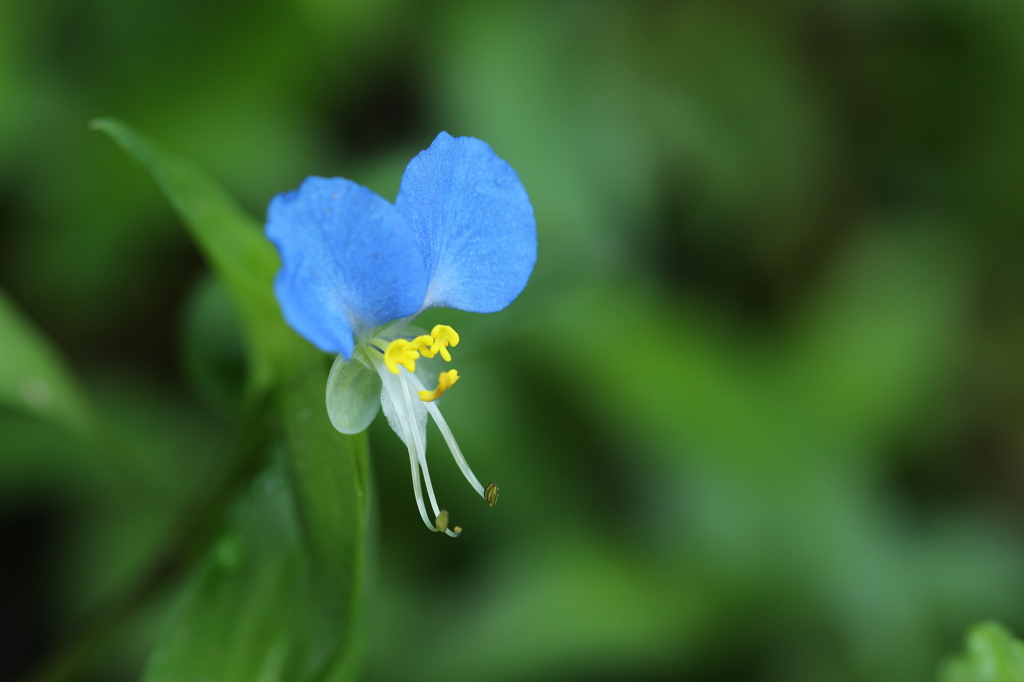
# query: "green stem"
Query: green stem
348,654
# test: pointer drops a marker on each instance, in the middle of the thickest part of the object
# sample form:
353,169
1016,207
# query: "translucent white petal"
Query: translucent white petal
353,393
408,419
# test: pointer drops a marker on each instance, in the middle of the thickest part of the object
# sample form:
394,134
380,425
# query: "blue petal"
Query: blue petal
473,222
350,262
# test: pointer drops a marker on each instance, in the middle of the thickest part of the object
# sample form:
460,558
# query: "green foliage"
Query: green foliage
242,615
757,415
231,240
33,376
993,655
278,597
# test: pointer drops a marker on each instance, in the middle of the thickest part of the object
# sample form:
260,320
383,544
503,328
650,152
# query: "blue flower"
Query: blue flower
357,269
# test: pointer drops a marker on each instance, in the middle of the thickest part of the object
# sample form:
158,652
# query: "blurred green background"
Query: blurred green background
758,415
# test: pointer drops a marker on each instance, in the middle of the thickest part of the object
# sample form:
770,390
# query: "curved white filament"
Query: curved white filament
449,438
421,446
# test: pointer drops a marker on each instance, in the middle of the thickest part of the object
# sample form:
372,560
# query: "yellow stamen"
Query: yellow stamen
443,336
423,345
491,493
400,352
445,380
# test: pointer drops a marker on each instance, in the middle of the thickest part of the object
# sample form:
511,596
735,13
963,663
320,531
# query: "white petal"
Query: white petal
353,393
406,418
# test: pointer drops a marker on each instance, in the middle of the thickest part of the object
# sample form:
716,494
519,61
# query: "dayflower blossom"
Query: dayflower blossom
357,269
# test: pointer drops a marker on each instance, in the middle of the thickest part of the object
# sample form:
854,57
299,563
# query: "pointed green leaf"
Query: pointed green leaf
241,616
231,240
278,598
992,655
33,376
328,482
330,475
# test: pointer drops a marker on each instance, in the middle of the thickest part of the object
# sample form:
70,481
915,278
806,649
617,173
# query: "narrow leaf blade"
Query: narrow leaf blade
992,655
33,376
239,617
229,238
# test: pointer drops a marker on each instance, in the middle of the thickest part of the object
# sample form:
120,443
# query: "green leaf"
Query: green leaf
213,347
240,616
278,598
330,475
993,655
293,605
230,239
33,376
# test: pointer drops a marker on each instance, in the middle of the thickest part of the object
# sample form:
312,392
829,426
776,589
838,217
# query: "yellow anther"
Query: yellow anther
491,493
423,345
400,352
445,380
443,336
